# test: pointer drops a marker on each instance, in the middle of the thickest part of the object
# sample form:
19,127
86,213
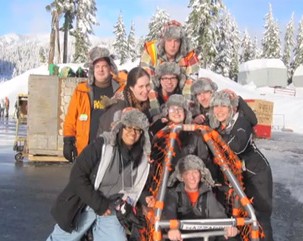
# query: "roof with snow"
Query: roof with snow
261,64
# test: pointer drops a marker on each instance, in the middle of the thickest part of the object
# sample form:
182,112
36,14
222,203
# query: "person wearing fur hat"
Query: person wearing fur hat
190,196
172,46
135,94
105,183
202,91
237,131
86,104
168,80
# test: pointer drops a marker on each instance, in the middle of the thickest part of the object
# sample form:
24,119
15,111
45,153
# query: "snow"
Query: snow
284,151
299,71
261,64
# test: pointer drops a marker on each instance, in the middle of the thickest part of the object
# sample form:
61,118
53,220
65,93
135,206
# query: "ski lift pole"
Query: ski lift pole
174,129
219,153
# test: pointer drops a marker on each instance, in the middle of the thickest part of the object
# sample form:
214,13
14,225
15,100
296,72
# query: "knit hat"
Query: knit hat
203,84
178,100
191,162
134,118
169,68
98,53
221,98
174,30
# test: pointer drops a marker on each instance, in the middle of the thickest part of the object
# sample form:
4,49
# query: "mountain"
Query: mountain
19,53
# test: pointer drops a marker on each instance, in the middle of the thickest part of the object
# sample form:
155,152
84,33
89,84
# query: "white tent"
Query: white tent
297,78
263,72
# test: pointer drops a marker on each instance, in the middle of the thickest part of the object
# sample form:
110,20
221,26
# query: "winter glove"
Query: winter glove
69,149
128,215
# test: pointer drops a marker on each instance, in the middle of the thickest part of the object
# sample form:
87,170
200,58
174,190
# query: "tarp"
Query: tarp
297,78
263,72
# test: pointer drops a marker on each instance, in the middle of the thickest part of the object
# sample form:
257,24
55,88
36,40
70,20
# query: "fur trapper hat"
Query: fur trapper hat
169,68
191,162
98,53
203,84
222,98
134,118
181,101
174,30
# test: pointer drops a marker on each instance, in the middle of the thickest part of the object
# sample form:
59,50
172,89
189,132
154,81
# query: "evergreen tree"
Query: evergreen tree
247,48
120,44
271,40
298,50
257,52
227,59
158,20
202,27
131,41
85,18
288,44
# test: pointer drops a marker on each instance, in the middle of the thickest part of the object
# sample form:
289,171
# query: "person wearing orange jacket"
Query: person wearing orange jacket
88,102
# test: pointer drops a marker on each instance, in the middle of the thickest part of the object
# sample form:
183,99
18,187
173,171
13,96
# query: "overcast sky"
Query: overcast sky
30,16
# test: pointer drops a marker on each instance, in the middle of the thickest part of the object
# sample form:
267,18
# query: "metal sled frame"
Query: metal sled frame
213,227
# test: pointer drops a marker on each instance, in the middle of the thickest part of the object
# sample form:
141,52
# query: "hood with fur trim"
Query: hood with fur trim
174,30
134,118
222,98
95,54
191,162
169,68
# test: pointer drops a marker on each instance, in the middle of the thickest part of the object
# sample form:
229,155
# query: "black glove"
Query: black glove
128,215
69,149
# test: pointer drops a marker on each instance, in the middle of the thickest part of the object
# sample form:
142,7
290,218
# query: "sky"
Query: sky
30,16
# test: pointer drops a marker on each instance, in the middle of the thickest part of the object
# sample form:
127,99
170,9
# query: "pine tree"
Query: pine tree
85,18
202,27
158,20
227,59
298,50
271,40
247,48
131,41
288,44
120,44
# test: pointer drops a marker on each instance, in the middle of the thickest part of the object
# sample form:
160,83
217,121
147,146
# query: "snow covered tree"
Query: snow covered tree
120,44
226,61
271,41
85,19
202,28
131,41
288,44
158,20
298,50
247,48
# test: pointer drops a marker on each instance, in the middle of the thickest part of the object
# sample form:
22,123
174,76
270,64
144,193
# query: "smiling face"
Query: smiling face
204,98
101,72
168,83
176,114
191,179
141,89
172,47
222,113
130,135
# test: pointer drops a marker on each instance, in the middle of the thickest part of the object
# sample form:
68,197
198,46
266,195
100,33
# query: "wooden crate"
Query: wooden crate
48,100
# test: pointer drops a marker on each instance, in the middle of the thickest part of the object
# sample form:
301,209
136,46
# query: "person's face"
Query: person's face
130,135
191,179
204,98
101,71
168,83
176,114
141,88
222,113
172,47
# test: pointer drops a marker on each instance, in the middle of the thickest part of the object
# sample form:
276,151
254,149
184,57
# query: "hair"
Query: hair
134,75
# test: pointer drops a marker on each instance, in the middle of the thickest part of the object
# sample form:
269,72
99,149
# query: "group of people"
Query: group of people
4,107
109,135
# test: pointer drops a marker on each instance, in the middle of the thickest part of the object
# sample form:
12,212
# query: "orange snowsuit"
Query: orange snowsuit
77,119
